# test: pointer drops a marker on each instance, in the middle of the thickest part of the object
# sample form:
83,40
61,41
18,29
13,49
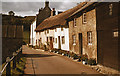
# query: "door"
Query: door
80,44
51,43
100,53
59,43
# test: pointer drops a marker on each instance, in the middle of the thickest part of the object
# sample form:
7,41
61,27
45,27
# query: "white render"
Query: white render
44,36
60,33
33,33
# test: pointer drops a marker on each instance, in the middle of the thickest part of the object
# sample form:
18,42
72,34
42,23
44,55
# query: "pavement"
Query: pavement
42,62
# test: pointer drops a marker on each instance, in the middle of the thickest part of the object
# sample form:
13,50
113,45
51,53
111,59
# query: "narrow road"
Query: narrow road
39,62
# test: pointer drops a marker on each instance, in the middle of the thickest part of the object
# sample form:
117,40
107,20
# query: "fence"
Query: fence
15,58
12,38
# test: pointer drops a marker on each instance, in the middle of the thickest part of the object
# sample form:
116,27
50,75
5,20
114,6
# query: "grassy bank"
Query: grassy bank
19,70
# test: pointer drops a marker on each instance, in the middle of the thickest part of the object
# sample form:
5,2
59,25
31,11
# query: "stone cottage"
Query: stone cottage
93,30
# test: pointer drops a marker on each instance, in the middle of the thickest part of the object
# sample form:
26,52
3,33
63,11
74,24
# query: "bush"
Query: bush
79,58
84,57
92,61
75,56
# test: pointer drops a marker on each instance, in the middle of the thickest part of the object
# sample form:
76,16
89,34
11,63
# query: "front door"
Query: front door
51,43
59,43
80,43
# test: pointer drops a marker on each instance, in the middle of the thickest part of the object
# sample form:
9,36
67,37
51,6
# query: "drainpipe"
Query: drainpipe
32,35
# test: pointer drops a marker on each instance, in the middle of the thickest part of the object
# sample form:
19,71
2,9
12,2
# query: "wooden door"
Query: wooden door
59,43
51,43
80,44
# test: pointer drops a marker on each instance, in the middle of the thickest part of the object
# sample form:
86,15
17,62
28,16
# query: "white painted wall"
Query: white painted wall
33,33
54,34
60,33
44,36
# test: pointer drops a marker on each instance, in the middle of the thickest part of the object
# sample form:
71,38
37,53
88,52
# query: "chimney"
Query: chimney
46,3
60,12
53,12
40,10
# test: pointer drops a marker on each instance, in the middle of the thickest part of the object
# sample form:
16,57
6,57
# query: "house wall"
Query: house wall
44,36
33,33
90,50
43,14
107,25
60,33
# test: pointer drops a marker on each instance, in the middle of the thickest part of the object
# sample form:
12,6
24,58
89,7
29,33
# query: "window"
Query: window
61,28
115,34
74,39
63,39
47,31
74,22
56,40
84,18
36,42
110,9
56,30
47,39
89,36
15,31
53,39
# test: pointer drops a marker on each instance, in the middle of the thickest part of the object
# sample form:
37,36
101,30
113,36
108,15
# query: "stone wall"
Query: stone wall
90,50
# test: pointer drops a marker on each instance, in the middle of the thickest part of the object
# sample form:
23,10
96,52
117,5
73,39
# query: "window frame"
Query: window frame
63,39
47,31
89,37
61,28
74,22
74,39
55,40
84,16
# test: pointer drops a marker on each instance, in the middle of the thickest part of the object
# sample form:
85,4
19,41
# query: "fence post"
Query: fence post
8,68
14,60
17,56
21,51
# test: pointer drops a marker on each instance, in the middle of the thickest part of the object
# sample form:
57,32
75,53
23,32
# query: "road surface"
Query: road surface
40,62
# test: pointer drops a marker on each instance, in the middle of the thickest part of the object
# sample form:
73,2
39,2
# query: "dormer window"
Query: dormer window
84,18
74,22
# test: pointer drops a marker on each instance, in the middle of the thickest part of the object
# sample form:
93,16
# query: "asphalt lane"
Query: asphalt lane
40,62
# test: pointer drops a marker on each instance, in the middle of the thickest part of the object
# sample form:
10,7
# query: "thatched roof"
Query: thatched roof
59,19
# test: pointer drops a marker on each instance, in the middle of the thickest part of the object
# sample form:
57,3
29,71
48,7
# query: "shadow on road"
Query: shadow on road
37,55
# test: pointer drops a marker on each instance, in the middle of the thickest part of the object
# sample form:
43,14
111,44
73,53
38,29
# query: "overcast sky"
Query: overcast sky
31,8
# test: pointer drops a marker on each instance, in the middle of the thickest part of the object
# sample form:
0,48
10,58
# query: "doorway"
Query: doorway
59,43
51,43
80,44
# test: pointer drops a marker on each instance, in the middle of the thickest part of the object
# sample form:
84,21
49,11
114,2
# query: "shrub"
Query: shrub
92,61
75,56
84,57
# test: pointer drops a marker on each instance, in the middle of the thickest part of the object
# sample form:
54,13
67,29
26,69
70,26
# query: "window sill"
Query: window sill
74,44
89,43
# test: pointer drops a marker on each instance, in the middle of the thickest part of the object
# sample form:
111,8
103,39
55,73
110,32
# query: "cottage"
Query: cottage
93,30
33,33
42,14
59,26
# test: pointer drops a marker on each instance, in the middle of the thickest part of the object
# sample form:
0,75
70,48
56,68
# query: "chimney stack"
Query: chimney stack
53,12
46,3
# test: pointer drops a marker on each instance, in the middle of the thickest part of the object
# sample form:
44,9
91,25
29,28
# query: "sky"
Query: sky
29,8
